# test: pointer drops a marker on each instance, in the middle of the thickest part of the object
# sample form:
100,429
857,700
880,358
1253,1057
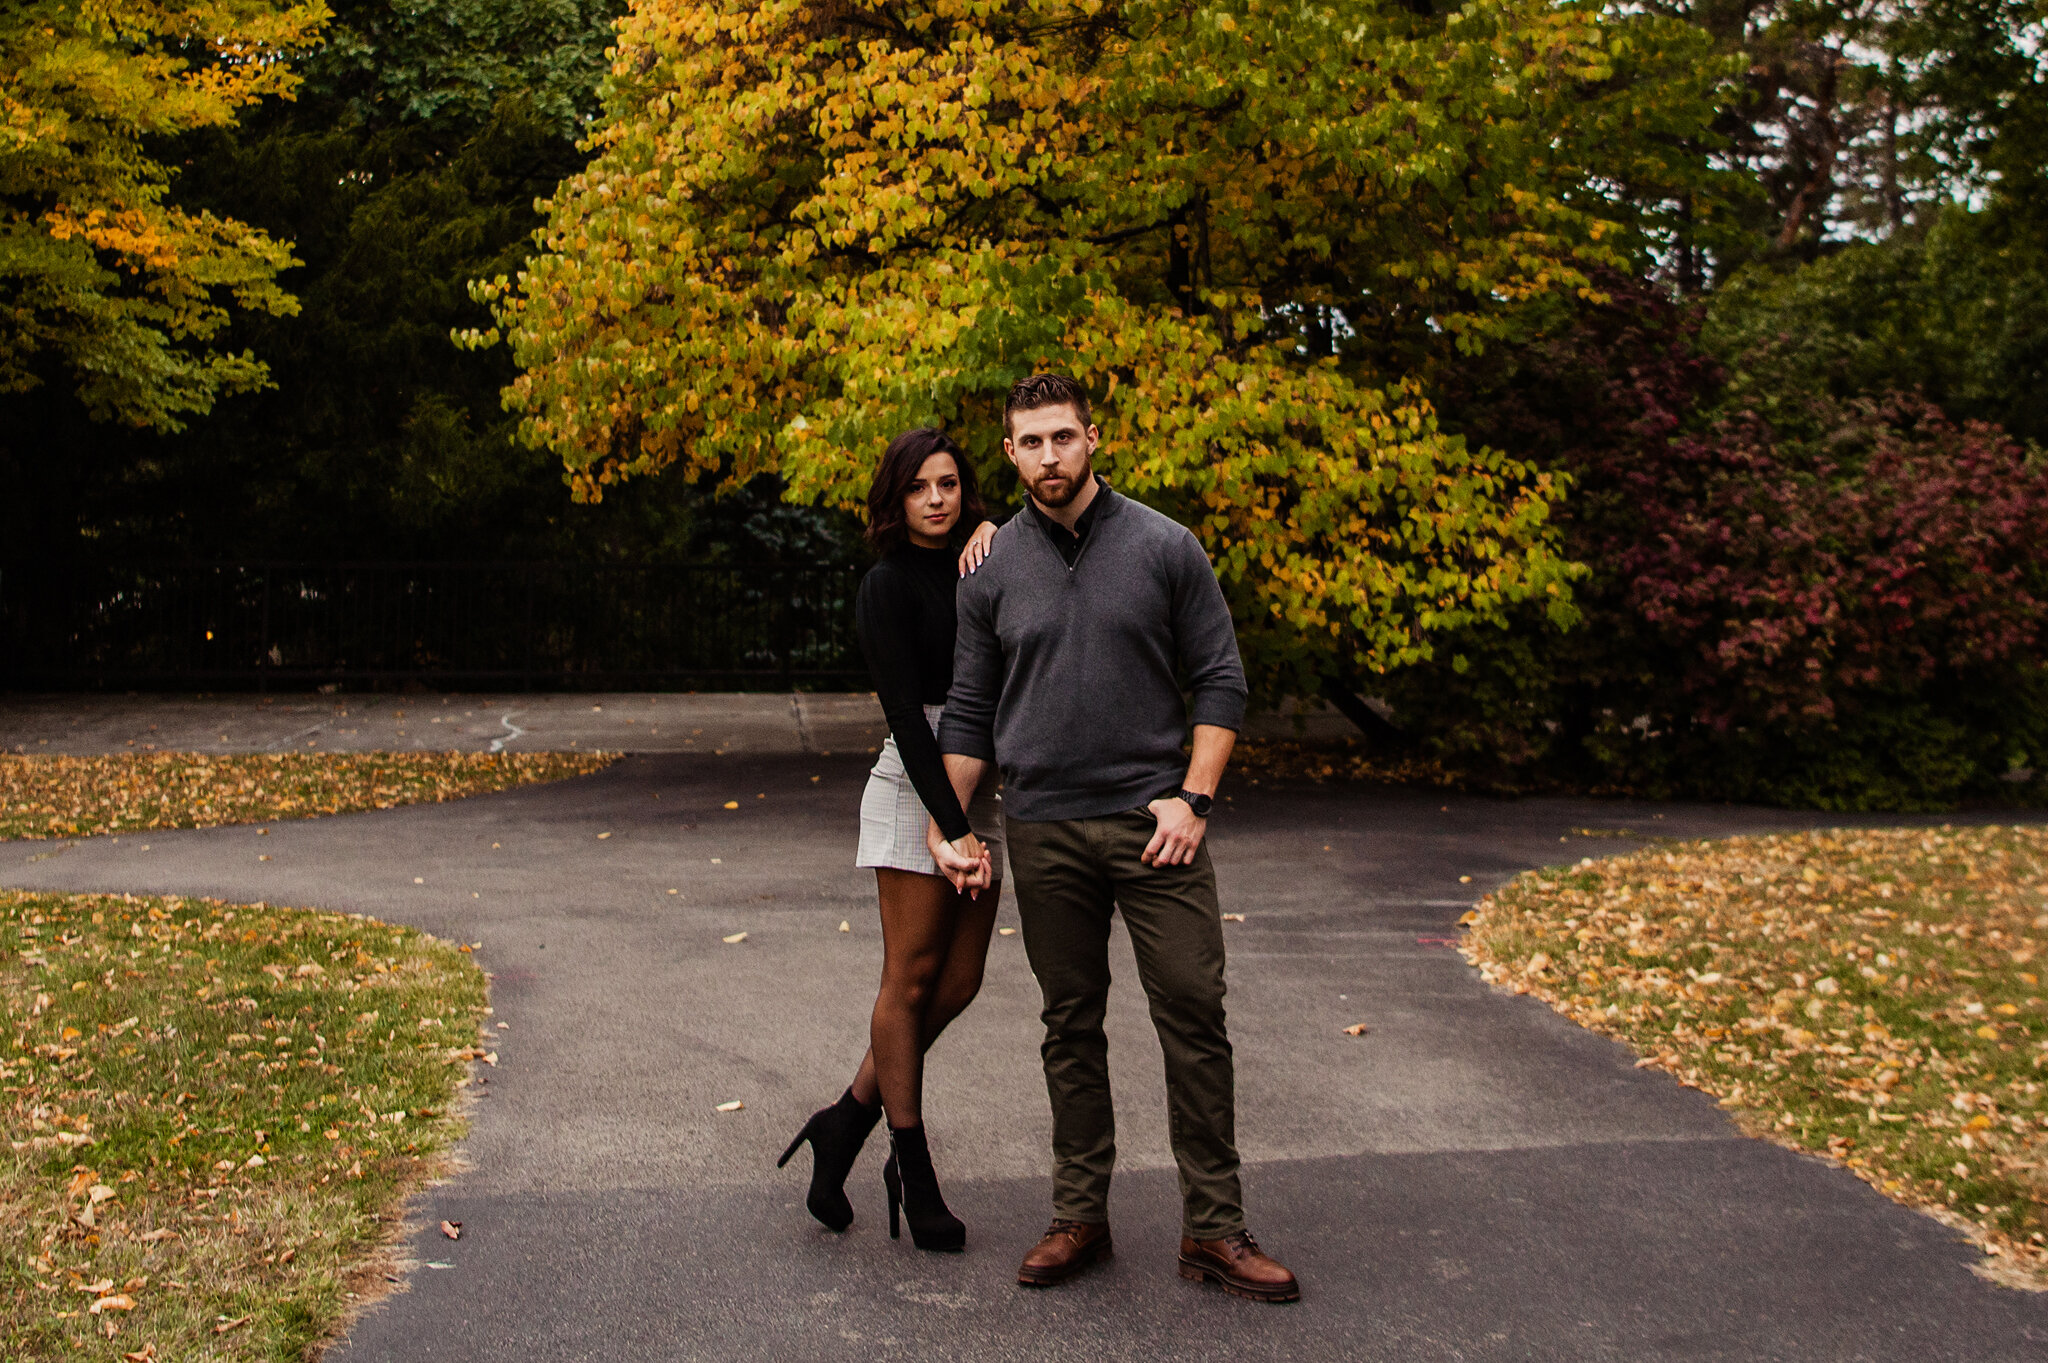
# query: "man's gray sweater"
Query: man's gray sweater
1066,678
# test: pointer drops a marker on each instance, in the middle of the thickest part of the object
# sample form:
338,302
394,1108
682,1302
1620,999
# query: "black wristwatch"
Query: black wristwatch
1201,804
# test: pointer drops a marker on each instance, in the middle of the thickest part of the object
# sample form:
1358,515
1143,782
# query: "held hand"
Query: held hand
1178,836
976,548
965,863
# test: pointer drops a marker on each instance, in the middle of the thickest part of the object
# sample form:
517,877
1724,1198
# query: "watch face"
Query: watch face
1200,804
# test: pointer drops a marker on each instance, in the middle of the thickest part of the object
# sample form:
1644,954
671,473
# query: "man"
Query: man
1064,675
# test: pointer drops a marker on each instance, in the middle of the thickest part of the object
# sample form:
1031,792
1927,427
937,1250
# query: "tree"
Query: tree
810,223
410,162
1832,600
407,163
107,286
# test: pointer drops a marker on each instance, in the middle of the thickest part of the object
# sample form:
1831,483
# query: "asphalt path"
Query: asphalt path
1474,1178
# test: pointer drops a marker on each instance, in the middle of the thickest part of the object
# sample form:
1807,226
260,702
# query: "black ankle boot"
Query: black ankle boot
911,1183
836,1134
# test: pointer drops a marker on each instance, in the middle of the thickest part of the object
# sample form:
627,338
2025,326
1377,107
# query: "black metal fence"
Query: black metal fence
534,625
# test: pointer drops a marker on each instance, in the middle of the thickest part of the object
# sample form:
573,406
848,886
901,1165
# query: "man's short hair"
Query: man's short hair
1046,390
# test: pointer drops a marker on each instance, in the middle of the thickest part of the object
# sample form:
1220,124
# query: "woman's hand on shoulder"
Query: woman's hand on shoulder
976,550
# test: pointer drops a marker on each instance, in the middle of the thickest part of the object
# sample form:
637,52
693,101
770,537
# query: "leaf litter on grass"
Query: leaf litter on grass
213,1113
1871,996
66,797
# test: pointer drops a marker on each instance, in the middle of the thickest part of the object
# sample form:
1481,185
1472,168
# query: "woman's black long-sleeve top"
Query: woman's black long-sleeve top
905,621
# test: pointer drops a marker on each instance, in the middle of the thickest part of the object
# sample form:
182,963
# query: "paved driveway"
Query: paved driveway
1473,1179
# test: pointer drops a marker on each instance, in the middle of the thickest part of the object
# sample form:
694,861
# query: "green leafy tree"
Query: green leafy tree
1957,310
108,287
1248,227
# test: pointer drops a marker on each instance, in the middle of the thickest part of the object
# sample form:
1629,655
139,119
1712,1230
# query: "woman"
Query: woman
934,938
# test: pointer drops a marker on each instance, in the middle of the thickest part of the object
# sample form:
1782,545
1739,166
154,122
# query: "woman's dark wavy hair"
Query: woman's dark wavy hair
906,454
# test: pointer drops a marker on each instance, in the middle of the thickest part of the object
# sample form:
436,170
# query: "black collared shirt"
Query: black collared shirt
1068,542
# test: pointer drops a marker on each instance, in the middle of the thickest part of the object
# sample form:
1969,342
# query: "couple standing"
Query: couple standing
1050,651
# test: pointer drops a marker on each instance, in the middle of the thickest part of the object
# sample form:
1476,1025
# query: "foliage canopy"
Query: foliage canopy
811,223
104,280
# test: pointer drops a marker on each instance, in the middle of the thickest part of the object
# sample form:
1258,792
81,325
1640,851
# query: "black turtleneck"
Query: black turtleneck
905,621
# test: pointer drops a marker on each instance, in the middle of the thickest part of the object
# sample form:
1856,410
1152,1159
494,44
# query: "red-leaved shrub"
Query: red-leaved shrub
1849,613
1893,551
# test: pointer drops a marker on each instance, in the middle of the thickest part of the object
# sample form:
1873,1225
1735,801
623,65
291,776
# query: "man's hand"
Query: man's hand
1178,836
965,863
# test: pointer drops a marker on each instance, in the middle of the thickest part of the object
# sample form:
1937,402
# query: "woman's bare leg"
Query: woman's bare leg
934,948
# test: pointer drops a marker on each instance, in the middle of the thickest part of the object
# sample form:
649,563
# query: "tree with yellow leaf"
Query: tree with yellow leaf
1244,225
108,287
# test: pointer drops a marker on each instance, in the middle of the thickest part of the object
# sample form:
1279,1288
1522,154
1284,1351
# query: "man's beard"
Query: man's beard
1073,489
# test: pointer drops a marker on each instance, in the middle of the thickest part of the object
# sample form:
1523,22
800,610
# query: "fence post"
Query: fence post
263,640
789,628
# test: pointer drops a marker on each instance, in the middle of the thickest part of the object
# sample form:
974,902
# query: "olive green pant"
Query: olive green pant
1070,876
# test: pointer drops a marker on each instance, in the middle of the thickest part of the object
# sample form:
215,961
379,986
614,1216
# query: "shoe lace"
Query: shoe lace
1242,1240
1062,1226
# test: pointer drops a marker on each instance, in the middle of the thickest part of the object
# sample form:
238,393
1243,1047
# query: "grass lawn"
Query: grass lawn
212,1114
67,797
1873,997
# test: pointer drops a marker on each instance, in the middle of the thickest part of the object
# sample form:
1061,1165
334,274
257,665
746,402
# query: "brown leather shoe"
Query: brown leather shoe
1068,1247
1237,1265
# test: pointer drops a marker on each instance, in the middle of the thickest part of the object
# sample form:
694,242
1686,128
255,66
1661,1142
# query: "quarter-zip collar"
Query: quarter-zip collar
1070,543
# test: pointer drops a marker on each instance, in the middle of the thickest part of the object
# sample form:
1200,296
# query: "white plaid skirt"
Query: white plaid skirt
893,819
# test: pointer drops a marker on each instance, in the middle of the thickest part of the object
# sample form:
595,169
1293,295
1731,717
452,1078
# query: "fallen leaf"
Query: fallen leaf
1006,932
732,804
151,1237
845,926
491,1059
602,836
1469,917
145,1354
1464,880
735,939
452,1229
253,1162
1233,918
103,1285
119,1301
733,1106
227,1325
1355,1029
